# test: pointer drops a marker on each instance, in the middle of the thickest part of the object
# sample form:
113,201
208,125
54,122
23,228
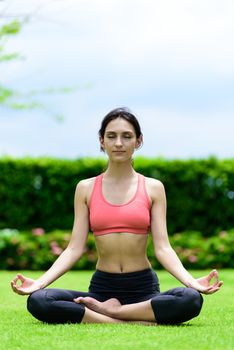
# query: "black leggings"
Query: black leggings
172,307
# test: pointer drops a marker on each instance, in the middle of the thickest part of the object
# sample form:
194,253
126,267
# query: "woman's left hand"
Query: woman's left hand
204,284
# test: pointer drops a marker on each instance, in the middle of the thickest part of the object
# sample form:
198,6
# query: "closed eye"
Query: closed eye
124,135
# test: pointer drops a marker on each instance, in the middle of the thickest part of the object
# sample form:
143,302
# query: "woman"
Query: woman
120,206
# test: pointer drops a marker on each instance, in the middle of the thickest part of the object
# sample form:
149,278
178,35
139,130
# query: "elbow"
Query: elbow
76,252
161,252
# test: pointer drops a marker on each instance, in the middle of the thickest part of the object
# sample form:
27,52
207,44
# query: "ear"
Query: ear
139,142
101,140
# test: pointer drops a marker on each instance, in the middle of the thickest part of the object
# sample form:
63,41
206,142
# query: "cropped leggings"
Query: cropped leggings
174,306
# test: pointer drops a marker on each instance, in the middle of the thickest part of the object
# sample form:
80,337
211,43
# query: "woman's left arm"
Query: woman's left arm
163,250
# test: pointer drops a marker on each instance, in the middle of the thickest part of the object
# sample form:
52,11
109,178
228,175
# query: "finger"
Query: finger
206,290
19,291
21,277
214,290
214,274
16,288
13,285
217,282
15,280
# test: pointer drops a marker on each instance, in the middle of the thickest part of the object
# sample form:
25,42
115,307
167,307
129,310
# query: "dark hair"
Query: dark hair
122,112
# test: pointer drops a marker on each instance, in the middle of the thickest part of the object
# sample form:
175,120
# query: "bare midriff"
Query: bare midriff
122,252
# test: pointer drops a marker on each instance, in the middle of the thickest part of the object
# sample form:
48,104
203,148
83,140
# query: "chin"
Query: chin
122,159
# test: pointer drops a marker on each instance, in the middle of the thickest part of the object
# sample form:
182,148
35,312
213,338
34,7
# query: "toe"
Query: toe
78,300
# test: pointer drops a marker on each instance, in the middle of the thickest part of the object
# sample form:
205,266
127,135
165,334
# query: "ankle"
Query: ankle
115,311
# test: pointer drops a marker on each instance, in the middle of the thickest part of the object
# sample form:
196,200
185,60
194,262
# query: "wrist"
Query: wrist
190,282
40,284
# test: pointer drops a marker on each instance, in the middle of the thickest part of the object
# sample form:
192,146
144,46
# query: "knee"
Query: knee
193,300
37,304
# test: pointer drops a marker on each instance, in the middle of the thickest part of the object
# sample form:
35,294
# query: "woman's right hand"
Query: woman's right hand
26,286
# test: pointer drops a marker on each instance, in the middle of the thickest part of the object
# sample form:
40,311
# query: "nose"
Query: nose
118,141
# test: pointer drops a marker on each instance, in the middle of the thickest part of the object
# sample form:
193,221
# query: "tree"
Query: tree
7,30
15,99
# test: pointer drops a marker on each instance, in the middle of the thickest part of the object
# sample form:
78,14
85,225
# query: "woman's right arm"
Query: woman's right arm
70,255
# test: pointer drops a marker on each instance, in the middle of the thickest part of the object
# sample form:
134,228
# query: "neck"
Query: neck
120,170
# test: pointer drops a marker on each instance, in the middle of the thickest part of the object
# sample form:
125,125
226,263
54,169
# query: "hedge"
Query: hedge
39,192
36,250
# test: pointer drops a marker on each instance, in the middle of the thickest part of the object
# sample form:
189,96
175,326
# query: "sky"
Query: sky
170,62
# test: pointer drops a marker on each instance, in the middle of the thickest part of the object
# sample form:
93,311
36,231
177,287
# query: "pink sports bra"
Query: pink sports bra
133,217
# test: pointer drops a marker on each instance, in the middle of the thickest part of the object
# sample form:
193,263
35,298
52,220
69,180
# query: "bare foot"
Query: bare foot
107,307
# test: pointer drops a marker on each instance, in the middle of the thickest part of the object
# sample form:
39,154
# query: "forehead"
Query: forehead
119,125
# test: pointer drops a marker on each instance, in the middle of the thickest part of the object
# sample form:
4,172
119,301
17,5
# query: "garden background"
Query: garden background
36,210
65,64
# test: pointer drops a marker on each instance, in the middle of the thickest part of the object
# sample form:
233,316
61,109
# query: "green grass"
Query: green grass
212,329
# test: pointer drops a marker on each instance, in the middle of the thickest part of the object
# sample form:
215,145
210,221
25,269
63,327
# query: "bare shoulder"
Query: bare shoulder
155,188
84,188
85,184
154,184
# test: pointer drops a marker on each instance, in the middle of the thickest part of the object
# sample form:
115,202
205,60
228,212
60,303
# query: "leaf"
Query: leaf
11,28
10,57
25,105
5,94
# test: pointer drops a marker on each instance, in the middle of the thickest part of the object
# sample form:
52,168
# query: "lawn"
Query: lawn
212,329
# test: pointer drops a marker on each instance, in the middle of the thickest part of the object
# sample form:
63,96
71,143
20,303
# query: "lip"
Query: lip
118,151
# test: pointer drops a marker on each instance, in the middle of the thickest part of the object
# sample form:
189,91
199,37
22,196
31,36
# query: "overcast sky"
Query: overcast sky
171,62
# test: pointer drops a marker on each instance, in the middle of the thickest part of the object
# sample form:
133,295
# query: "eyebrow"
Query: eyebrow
123,132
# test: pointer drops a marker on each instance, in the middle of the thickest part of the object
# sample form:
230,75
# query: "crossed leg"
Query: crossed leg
62,306
141,311
171,307
58,306
91,316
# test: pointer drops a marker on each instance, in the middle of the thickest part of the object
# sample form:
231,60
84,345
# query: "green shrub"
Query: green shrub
198,252
40,192
36,250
